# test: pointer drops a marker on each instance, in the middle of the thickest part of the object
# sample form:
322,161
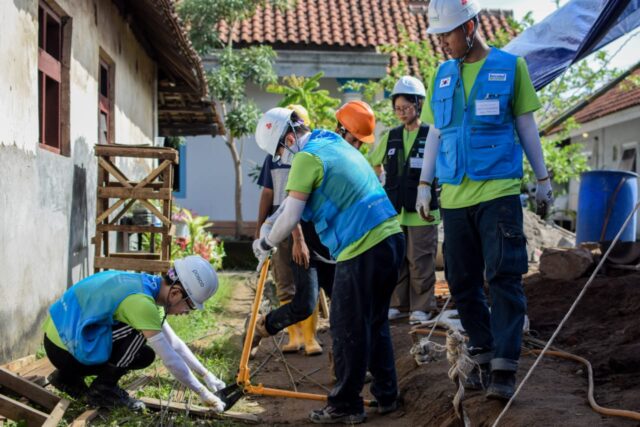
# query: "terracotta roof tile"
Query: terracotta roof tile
356,24
622,96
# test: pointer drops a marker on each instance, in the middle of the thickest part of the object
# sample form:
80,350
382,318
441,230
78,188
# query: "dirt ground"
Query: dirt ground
604,329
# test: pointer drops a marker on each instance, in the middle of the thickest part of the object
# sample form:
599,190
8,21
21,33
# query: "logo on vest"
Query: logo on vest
446,82
497,77
391,152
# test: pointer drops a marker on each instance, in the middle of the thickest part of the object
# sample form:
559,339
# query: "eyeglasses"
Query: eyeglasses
405,109
190,303
341,130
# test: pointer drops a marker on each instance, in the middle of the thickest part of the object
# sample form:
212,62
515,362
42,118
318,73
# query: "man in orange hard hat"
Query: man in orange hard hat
356,123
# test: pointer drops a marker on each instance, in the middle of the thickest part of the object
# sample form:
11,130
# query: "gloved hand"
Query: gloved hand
422,202
544,197
262,249
211,399
382,178
213,383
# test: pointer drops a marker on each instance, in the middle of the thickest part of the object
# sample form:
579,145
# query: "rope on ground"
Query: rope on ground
461,365
566,317
425,350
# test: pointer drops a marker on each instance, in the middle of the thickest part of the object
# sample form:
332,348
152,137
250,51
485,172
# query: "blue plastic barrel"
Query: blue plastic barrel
605,201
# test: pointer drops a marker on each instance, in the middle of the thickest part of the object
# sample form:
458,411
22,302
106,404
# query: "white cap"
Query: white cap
447,15
198,278
409,85
271,127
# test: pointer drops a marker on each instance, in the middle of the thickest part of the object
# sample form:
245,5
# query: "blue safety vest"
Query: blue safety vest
83,316
350,201
477,139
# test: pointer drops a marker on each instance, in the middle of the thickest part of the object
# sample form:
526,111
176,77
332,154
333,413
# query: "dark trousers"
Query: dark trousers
129,352
486,241
308,282
360,326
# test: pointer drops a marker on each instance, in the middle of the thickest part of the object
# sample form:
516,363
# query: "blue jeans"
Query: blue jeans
486,241
308,282
360,326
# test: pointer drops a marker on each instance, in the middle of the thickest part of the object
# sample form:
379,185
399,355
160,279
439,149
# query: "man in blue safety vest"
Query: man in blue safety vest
481,105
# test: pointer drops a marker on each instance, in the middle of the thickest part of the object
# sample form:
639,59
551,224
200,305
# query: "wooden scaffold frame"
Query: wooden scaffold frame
157,185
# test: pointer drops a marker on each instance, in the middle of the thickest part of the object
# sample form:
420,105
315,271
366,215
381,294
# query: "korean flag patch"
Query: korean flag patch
446,82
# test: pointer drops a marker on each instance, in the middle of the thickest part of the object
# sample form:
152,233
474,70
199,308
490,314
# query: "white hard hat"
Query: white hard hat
447,15
409,85
198,278
271,127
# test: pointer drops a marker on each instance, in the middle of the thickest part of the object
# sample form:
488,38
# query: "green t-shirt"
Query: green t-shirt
138,311
306,175
376,157
470,192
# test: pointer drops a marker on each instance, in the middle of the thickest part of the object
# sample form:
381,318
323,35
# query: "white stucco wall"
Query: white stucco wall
47,200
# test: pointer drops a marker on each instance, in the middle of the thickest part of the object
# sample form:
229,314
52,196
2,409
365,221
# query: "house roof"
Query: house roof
183,104
347,24
616,96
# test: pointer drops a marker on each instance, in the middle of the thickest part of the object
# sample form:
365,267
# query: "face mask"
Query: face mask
287,155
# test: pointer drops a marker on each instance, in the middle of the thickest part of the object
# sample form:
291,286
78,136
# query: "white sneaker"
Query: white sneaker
419,317
394,314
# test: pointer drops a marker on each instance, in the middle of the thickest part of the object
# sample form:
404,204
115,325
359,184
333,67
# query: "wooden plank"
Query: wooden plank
17,411
26,388
167,179
154,185
109,211
132,264
166,221
97,239
135,255
122,212
154,174
134,193
134,228
14,365
56,415
113,170
114,150
199,411
33,367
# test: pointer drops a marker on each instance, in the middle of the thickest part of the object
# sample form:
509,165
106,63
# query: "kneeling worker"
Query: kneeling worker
109,324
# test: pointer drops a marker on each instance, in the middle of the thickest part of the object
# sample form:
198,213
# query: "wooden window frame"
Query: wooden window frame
56,69
106,104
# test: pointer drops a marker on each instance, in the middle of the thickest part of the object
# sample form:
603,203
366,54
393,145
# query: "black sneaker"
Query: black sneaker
108,396
392,407
502,385
331,415
478,378
73,386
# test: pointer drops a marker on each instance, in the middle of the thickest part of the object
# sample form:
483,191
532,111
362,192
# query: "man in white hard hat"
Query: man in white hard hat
332,185
110,323
398,159
481,104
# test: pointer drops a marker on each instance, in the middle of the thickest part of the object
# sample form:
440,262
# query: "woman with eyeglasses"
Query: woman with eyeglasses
398,161
110,323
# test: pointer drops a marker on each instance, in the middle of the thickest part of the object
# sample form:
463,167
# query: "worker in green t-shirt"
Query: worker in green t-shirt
481,105
397,160
111,323
332,185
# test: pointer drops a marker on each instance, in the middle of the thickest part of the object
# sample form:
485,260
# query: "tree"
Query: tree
304,91
235,70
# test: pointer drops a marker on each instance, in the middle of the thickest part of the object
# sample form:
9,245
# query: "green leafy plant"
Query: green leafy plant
304,91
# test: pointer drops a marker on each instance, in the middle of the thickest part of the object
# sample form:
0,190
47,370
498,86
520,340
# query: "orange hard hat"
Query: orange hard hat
357,117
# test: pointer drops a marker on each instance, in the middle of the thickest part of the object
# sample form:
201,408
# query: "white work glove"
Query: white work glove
213,383
422,202
265,229
211,400
262,249
382,178
544,197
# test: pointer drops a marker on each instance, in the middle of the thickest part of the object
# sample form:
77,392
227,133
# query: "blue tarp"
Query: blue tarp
571,33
